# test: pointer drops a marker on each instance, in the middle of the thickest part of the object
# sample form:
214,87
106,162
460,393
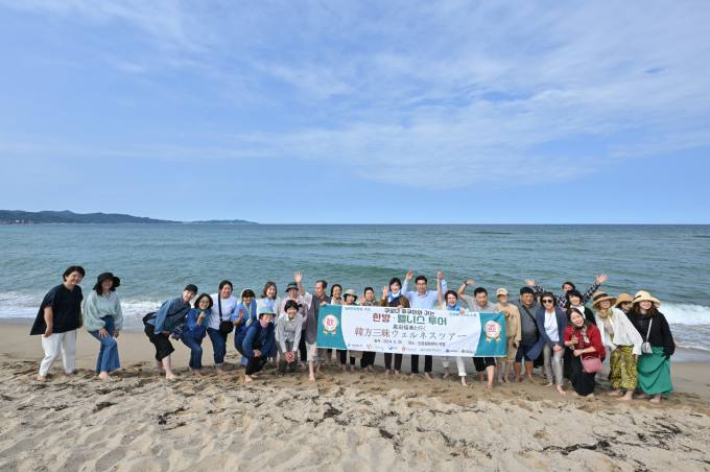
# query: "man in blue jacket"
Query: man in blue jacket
256,342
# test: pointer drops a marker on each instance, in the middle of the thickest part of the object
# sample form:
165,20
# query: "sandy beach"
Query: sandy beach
345,421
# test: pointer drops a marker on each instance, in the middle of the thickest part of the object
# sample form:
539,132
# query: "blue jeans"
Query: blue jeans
219,345
108,354
195,345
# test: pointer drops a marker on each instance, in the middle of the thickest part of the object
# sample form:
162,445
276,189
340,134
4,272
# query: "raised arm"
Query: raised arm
594,287
439,295
463,286
408,276
298,278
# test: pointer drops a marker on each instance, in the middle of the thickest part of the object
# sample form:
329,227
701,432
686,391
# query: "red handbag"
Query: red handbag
591,364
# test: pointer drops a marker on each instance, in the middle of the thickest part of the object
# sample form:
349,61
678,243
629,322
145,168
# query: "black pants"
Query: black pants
254,364
428,364
368,359
397,361
302,347
582,382
342,356
482,362
163,346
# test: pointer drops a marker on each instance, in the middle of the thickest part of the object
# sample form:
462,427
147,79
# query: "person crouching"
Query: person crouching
256,342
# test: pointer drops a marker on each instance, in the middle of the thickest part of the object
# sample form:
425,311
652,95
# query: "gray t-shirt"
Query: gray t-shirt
527,322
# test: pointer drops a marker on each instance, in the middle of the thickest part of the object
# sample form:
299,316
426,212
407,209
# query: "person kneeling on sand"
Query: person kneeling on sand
169,318
583,339
256,342
288,336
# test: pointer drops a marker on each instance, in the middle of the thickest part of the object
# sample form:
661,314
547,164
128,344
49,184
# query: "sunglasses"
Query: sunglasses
547,300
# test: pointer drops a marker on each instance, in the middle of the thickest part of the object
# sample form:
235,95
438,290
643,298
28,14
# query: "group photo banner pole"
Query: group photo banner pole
411,331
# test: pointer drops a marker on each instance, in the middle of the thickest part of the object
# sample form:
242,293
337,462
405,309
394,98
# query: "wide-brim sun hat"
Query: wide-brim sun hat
623,298
644,296
108,276
600,296
350,292
502,291
292,286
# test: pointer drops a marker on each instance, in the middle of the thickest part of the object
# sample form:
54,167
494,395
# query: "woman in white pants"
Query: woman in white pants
450,301
57,320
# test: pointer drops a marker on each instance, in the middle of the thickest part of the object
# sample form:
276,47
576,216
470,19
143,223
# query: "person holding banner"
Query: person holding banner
513,332
350,298
450,302
530,340
312,306
479,303
425,300
368,358
392,296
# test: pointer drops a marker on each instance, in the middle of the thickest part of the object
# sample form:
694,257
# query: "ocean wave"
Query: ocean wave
686,314
25,305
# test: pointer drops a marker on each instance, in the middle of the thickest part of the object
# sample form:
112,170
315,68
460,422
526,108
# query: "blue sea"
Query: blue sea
155,261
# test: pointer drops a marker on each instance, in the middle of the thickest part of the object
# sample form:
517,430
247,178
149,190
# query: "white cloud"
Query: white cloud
401,92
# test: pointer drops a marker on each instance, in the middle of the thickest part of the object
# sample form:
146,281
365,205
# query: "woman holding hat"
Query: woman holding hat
103,319
624,302
620,336
654,365
256,342
350,298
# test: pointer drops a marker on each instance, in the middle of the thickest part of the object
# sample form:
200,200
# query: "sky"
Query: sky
358,112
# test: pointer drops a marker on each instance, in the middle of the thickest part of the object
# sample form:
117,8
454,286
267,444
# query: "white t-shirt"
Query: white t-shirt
551,326
228,306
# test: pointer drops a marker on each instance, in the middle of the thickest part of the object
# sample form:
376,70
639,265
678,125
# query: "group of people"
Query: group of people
556,332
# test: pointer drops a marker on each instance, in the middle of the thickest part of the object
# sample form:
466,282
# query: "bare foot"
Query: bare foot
41,378
629,396
519,379
489,386
396,372
427,376
505,380
104,376
531,379
388,372
615,393
656,399
311,378
446,375
220,371
560,390
196,372
171,376
247,379
463,382
591,396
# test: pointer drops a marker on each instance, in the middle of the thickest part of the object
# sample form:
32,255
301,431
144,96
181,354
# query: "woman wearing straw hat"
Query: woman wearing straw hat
624,302
654,365
622,339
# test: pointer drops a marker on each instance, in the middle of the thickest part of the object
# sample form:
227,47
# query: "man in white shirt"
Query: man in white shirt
426,300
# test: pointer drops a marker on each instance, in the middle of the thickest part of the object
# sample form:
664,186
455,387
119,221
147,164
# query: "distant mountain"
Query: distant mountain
12,217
